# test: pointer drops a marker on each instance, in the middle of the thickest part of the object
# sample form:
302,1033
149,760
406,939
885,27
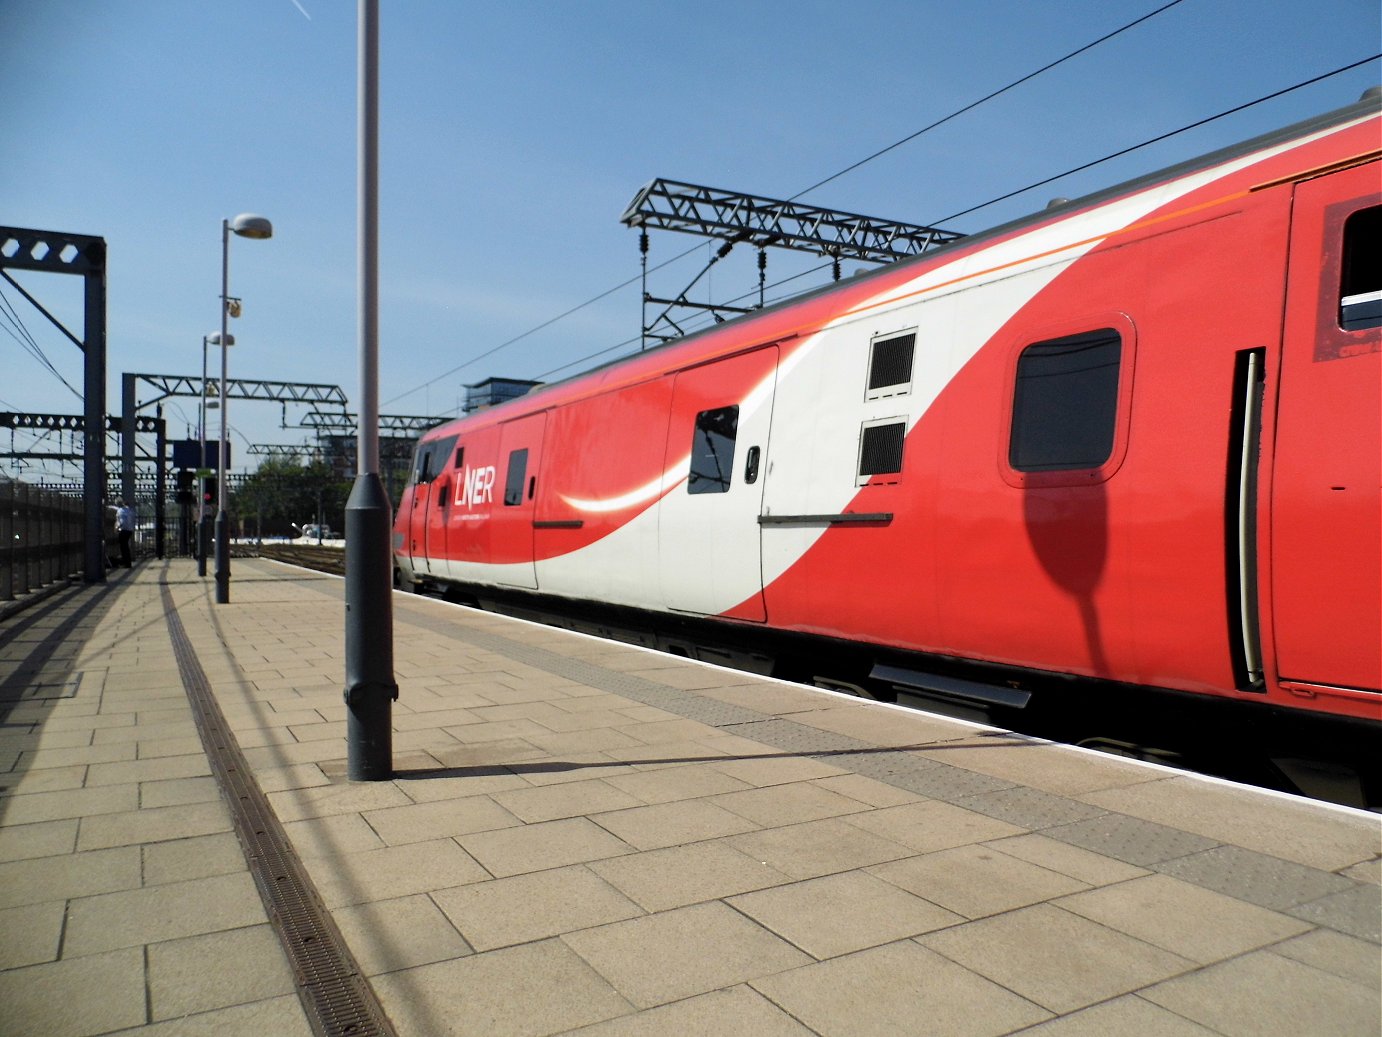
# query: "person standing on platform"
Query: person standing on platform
124,525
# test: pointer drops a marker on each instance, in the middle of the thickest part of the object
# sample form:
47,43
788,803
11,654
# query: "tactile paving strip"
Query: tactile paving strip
1031,808
1259,879
1356,911
335,995
1130,839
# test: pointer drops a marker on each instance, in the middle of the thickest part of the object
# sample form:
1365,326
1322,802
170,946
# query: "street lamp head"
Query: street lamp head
214,339
248,225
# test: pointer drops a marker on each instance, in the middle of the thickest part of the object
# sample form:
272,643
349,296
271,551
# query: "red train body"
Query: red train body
1134,438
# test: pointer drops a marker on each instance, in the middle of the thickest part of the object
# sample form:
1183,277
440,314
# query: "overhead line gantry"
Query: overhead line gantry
734,217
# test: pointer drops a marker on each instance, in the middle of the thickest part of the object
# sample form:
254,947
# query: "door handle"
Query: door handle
751,465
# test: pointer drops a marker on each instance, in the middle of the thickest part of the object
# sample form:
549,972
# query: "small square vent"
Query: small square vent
890,365
880,449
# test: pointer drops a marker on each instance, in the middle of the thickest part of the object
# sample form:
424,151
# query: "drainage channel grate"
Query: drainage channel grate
336,997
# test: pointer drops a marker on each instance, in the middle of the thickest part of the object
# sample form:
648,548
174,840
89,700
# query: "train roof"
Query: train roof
1369,103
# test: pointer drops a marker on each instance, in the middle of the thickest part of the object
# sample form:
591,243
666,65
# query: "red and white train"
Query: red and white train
1129,442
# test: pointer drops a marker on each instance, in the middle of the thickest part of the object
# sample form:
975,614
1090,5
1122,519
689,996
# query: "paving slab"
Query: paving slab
673,824
838,914
215,970
1194,923
32,933
976,881
671,955
1055,958
537,988
43,1000
133,918
37,880
525,908
735,1010
1265,993
659,880
898,988
1129,1014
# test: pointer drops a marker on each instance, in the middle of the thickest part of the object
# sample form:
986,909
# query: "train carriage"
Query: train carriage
1132,441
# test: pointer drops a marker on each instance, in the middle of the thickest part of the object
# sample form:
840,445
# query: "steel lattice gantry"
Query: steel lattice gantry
711,212
278,450
77,423
734,217
342,421
336,435
165,385
85,256
67,423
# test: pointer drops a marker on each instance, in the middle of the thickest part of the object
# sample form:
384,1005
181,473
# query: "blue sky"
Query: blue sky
513,135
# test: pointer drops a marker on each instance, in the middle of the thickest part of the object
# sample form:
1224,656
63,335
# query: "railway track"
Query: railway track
309,556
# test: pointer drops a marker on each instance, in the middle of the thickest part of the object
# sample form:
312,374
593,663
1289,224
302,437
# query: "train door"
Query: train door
427,461
1326,533
511,513
709,545
441,473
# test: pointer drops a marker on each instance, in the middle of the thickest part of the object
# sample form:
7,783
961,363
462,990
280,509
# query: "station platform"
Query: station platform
587,838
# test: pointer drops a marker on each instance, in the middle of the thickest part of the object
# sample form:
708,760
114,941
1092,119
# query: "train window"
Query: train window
880,449
430,459
460,458
1360,288
890,365
712,450
1066,402
513,482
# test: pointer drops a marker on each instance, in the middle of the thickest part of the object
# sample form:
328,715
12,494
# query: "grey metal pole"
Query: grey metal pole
222,519
370,685
160,483
94,420
202,524
129,418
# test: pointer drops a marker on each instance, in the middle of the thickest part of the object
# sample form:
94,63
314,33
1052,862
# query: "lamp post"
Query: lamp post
370,685
247,225
203,515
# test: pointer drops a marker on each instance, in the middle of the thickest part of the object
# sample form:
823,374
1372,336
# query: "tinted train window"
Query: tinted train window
712,450
1066,402
880,449
1360,288
431,458
890,365
513,482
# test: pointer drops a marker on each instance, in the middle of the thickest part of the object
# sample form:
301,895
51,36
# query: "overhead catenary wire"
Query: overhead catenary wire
19,331
834,176
696,325
1160,137
545,324
987,97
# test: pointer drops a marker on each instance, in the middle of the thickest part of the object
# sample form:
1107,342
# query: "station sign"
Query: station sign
188,453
